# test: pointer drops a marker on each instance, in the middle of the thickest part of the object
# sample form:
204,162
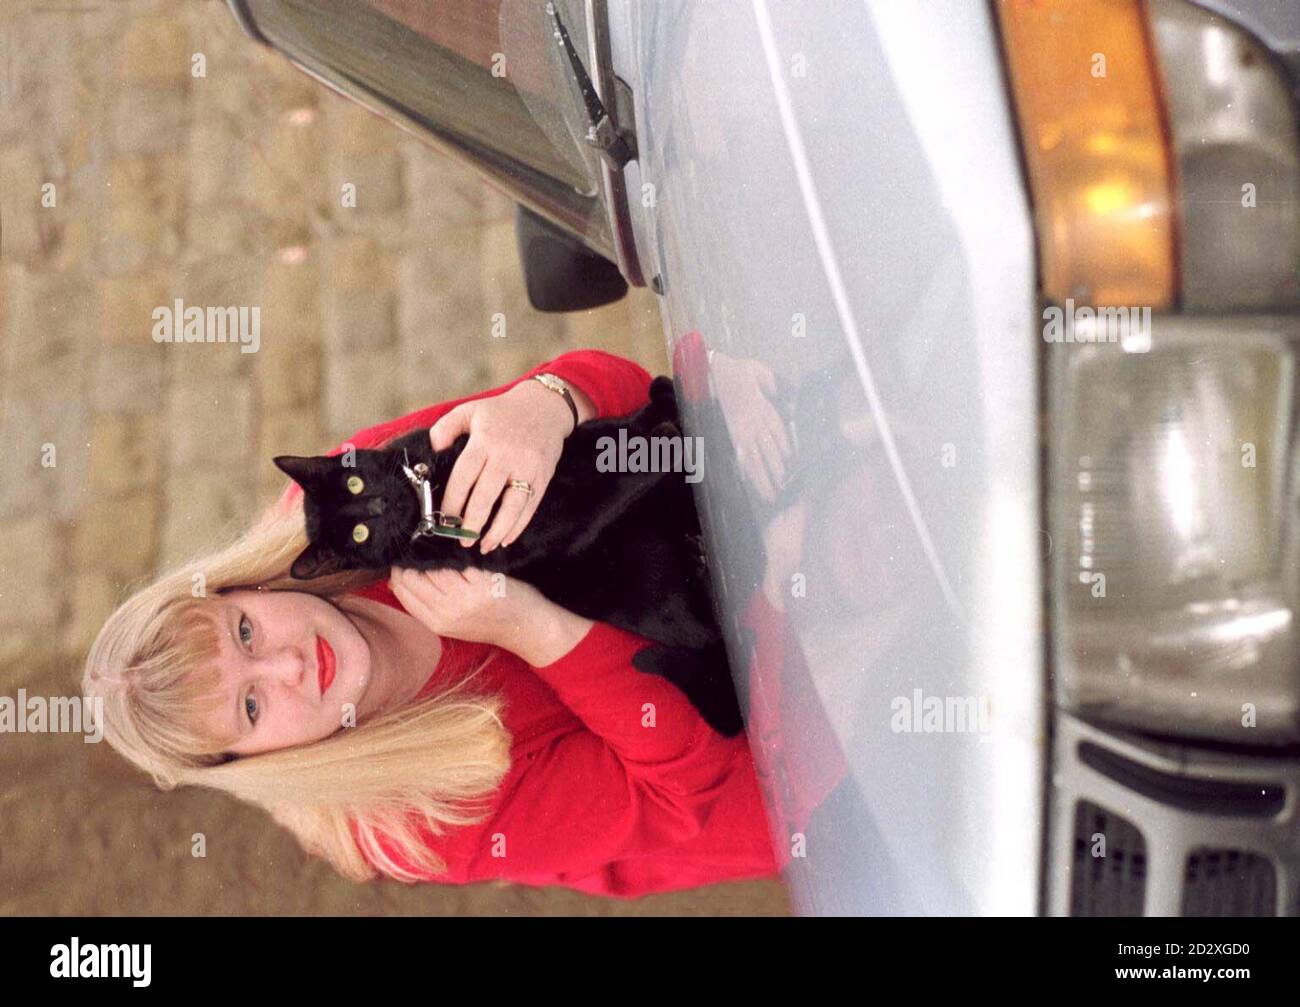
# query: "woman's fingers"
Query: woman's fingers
487,490
530,508
411,600
464,474
506,441
428,584
513,505
451,425
442,581
437,598
483,481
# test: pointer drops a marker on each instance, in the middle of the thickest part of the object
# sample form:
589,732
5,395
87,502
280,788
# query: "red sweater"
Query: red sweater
594,800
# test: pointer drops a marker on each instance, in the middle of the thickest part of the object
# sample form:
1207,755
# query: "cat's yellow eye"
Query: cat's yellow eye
355,485
360,533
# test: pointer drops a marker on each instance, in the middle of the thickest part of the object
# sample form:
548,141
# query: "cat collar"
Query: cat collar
432,522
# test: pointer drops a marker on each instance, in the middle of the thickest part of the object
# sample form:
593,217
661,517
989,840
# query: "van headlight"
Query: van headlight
1161,146
1172,509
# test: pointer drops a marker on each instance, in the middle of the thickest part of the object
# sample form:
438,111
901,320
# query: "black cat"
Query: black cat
617,547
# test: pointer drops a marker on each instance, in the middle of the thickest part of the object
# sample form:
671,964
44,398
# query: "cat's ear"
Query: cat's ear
306,472
317,560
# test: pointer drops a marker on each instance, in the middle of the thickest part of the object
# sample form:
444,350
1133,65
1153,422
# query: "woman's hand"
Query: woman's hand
745,389
467,604
490,608
518,434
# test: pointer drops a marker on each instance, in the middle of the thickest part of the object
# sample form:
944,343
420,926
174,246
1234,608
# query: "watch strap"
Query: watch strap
561,388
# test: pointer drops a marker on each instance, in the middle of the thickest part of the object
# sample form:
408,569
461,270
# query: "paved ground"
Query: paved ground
121,456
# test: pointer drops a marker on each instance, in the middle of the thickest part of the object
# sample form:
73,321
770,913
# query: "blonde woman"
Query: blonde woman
417,725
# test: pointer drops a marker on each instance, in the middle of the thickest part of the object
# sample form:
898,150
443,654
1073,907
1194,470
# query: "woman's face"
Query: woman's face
293,668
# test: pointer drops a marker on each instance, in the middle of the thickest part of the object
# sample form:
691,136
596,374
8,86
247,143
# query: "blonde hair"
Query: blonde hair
428,764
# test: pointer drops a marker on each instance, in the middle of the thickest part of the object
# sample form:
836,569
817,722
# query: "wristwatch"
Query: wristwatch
561,388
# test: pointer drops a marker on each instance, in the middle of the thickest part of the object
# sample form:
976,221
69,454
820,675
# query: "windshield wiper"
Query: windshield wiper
602,131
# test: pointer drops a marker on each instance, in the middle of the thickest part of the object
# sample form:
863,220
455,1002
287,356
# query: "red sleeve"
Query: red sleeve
691,366
796,756
617,790
616,386
598,682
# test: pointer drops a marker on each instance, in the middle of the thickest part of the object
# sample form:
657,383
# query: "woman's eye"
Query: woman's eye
246,638
250,707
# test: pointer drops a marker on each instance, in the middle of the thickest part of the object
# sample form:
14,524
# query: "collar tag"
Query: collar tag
432,522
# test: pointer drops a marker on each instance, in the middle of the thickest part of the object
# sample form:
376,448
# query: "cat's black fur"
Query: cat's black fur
622,548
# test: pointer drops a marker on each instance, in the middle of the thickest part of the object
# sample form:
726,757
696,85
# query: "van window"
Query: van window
477,77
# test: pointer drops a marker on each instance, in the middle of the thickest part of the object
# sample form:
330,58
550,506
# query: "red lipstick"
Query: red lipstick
326,664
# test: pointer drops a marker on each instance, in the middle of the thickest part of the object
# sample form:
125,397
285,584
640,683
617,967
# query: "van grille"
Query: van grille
1229,883
1113,884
